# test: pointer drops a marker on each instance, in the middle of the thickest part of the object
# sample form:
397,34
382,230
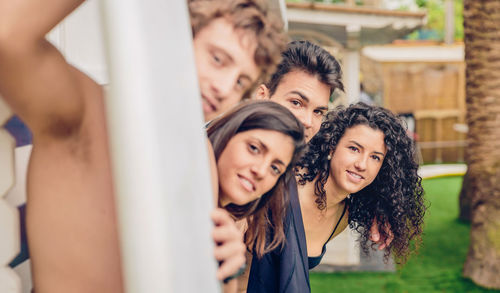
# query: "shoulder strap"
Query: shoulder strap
340,219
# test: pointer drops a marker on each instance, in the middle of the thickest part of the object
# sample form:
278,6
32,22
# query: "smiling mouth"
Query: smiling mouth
356,176
208,104
247,184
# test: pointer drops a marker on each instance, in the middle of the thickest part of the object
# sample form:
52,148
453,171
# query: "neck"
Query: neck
333,196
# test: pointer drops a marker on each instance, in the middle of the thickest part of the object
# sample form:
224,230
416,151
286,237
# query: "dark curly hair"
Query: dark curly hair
270,116
394,198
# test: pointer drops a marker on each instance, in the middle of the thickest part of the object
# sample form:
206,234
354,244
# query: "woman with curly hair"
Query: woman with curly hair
360,167
358,170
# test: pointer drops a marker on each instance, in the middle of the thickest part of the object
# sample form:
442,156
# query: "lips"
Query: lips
209,104
247,184
354,176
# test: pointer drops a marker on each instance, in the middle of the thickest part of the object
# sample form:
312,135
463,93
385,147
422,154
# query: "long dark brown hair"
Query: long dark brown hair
265,213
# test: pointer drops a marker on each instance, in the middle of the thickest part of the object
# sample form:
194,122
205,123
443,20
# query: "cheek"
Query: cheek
317,125
374,172
225,164
339,160
268,185
233,159
201,68
230,100
290,107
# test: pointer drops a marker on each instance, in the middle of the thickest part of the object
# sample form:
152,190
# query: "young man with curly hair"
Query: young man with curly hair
71,217
237,44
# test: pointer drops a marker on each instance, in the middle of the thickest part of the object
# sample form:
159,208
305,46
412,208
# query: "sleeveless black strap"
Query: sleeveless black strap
335,229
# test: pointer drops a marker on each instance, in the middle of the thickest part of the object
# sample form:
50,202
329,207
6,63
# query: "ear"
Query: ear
262,92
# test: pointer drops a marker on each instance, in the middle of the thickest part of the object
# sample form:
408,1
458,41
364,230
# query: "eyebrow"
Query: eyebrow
360,146
303,97
264,146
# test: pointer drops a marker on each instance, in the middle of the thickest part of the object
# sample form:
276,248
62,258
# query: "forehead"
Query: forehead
371,139
307,84
239,45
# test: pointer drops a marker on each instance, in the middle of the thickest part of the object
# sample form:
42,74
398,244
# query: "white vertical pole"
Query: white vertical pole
449,21
351,73
351,63
279,7
158,148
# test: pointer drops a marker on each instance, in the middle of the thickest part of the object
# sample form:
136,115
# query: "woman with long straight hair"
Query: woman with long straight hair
255,146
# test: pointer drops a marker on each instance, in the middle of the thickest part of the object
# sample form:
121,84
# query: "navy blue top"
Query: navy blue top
315,260
19,131
23,136
284,269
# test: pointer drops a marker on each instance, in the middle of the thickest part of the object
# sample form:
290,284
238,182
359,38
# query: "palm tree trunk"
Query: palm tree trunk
482,56
465,199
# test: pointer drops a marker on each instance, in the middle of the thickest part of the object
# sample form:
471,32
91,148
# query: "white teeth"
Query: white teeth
355,175
247,184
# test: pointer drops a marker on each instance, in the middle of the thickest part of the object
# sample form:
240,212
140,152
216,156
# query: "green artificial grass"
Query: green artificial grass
438,265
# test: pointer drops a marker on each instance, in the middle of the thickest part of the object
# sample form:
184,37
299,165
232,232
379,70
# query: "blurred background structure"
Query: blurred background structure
448,91
411,56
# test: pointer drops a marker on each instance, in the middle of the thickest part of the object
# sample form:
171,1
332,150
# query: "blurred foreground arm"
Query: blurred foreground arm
35,80
229,249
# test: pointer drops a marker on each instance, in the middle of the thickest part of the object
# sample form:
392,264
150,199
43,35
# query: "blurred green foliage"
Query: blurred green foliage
434,30
438,265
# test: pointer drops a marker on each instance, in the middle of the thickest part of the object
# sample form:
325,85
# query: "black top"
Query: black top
284,269
315,260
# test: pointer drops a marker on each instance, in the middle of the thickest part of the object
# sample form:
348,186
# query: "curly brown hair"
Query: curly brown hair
395,198
251,16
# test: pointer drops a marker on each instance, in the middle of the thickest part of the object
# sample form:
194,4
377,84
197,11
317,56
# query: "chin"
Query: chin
237,200
351,189
241,202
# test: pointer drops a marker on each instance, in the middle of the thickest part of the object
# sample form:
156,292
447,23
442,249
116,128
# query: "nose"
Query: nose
223,84
306,120
360,163
259,170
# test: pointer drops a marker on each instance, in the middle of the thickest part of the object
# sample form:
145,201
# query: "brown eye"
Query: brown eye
354,149
276,170
253,148
296,103
319,112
